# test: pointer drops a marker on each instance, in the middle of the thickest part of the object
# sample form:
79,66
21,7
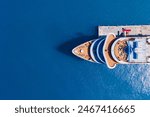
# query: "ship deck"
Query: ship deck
82,51
107,51
119,52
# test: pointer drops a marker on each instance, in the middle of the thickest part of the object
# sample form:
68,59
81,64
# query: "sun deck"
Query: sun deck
111,63
119,50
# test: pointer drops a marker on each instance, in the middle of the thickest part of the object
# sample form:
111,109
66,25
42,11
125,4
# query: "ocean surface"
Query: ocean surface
36,39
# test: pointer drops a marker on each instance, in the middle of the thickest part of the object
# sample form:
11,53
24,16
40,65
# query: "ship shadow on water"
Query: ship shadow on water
66,47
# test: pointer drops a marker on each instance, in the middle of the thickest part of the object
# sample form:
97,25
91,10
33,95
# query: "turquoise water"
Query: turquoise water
36,38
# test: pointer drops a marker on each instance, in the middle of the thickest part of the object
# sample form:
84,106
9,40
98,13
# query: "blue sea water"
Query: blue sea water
36,38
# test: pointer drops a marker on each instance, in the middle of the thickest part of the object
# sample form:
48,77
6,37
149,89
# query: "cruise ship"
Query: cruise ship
117,45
